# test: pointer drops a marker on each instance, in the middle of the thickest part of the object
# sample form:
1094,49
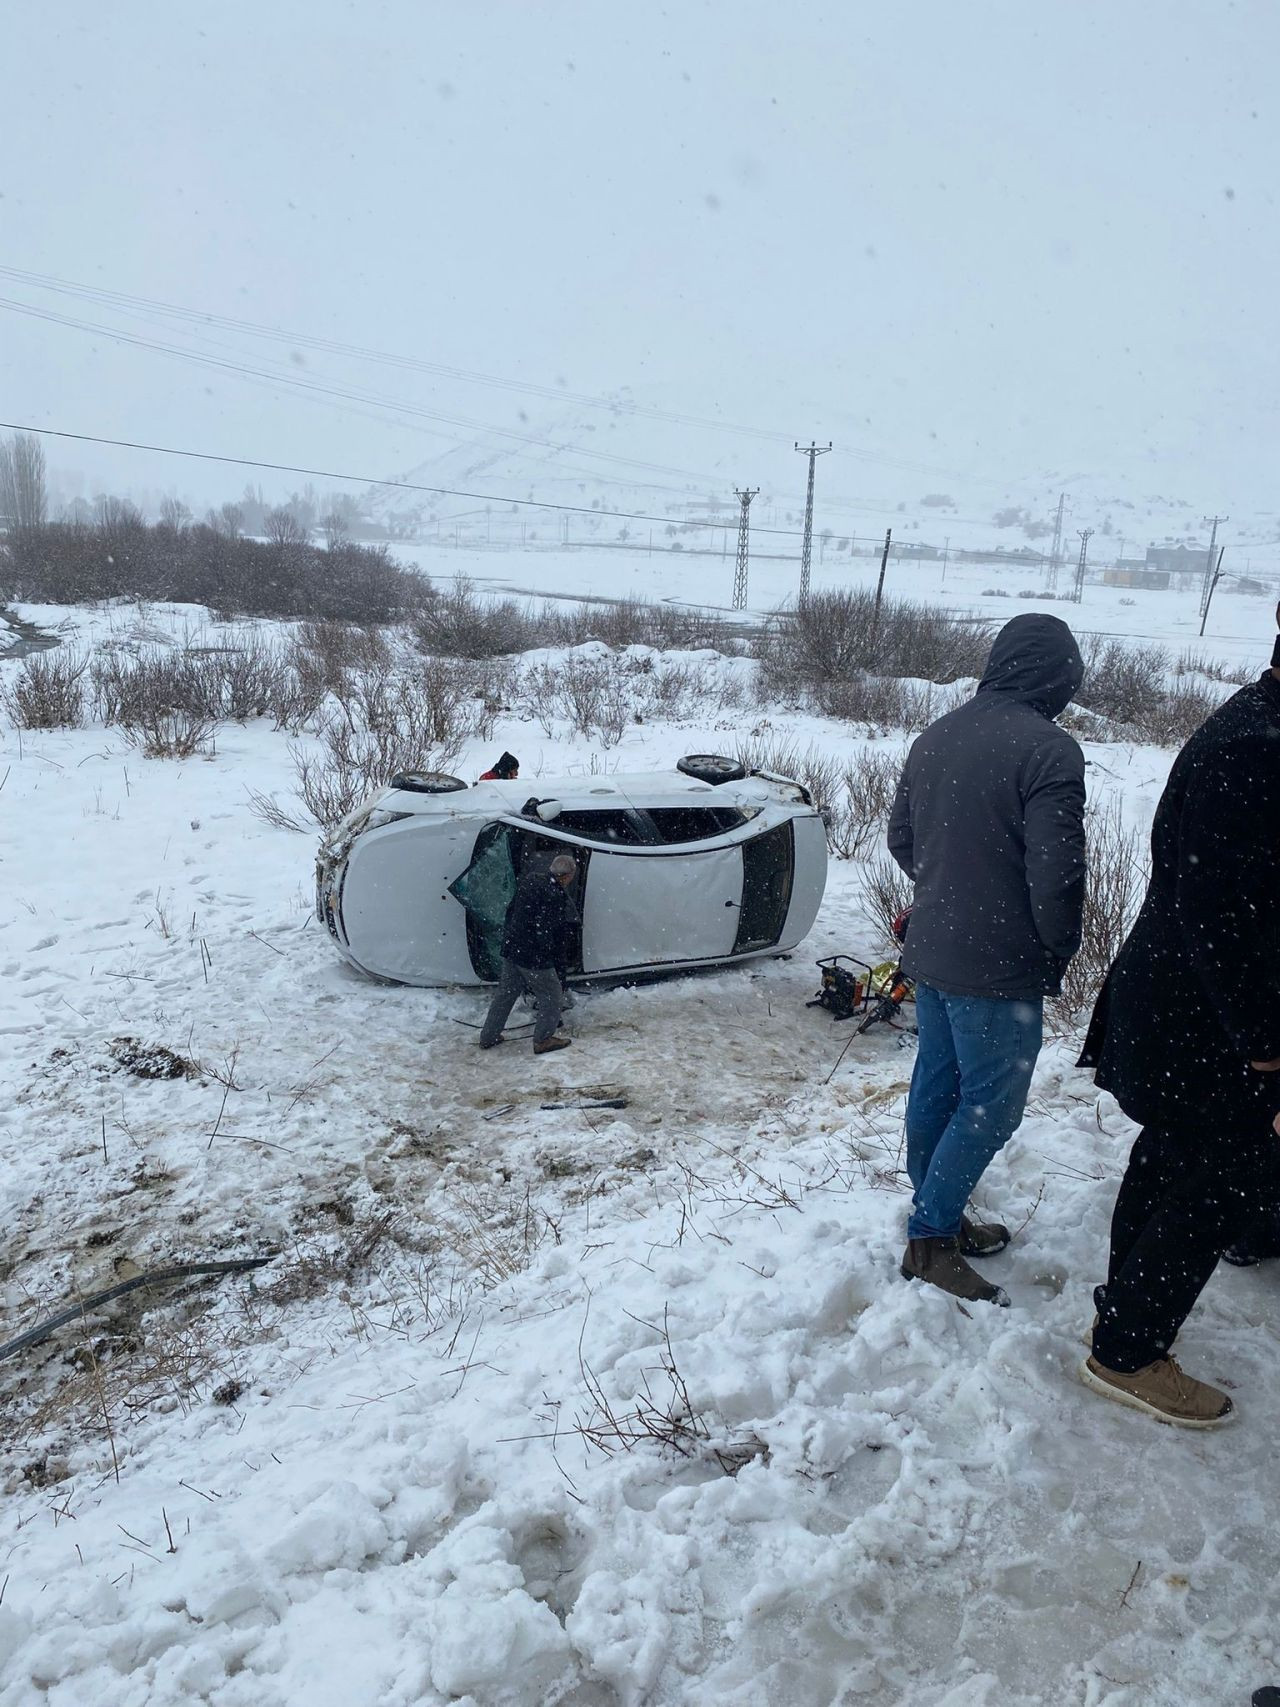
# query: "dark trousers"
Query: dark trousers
1186,1195
540,982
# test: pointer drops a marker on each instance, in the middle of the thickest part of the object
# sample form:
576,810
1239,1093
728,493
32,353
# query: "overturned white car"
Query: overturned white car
701,866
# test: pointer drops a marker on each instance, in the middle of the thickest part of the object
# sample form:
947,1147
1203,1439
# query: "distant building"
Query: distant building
1147,580
1178,559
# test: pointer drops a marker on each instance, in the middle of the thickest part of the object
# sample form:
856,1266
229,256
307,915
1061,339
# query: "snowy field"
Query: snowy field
1238,629
412,1460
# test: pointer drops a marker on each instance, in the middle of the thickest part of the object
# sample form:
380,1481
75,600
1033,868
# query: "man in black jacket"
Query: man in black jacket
1186,1036
989,824
535,949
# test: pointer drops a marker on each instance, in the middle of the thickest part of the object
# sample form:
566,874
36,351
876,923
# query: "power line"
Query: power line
345,397
121,299
397,485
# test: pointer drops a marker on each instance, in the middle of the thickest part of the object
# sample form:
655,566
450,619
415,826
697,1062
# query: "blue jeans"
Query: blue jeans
968,1091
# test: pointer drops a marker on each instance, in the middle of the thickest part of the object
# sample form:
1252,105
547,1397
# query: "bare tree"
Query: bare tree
24,501
175,514
336,532
282,527
228,520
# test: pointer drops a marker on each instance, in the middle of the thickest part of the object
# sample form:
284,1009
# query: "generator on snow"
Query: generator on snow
850,989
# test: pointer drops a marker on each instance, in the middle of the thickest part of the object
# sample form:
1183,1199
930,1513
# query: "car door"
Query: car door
652,909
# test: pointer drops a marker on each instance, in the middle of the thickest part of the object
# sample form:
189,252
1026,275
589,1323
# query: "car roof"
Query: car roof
594,793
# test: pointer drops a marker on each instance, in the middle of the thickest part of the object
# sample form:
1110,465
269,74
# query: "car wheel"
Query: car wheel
427,782
711,767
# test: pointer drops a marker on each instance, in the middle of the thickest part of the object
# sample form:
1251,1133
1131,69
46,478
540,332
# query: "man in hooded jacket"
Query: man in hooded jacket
988,823
1186,1036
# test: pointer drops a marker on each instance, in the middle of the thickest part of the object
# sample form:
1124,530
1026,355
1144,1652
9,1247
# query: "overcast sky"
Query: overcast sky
993,242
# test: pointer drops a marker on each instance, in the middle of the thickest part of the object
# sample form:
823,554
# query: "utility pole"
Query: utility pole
1206,592
946,552
1055,553
813,452
1085,537
884,564
740,573
1213,581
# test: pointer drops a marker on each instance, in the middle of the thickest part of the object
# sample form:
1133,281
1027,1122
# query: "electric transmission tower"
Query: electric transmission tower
740,573
813,452
1206,591
1055,554
1078,592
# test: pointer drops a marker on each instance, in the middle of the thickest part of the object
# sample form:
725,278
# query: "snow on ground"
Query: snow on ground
419,1482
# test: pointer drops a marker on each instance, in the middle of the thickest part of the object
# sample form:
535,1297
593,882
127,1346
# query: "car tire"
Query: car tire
427,782
711,767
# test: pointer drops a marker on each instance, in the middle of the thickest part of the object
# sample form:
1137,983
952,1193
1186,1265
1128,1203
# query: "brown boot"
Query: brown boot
559,1041
981,1238
1163,1391
938,1263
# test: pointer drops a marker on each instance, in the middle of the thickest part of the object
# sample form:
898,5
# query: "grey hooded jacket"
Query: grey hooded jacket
989,824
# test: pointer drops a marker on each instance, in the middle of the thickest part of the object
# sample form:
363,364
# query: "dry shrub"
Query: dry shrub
854,796
461,622
837,637
1114,887
1176,715
174,734
1121,683
333,650
1195,663
1135,695
886,890
414,721
48,692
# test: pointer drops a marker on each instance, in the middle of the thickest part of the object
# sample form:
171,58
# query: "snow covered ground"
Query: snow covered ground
400,1464
1235,631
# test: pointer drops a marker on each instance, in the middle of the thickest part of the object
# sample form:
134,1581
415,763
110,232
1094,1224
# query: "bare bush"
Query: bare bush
129,689
335,650
170,734
837,637
854,796
859,815
413,721
1122,683
1195,663
581,693
886,890
462,623
48,692
1128,689
1114,886
1177,715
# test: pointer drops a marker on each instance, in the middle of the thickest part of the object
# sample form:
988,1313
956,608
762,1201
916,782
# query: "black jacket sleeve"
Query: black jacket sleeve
901,841
1226,896
1053,829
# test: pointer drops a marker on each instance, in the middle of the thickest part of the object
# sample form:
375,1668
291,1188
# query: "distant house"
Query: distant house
1178,559
1147,580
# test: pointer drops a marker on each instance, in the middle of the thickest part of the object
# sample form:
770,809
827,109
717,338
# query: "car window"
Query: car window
623,828
696,823
767,864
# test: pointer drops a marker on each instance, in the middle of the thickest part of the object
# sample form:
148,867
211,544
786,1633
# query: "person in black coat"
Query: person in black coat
1186,1036
988,822
535,952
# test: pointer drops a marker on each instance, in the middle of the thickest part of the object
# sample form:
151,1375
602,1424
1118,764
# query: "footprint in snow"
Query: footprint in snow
45,942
